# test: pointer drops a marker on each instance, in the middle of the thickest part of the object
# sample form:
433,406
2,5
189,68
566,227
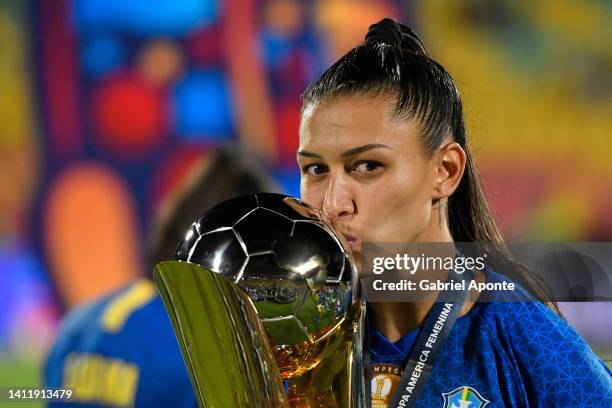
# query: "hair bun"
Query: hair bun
395,34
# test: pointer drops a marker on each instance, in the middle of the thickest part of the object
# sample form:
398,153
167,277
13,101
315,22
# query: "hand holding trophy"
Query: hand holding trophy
263,290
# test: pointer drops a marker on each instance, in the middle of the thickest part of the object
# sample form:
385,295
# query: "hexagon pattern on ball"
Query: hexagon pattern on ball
297,271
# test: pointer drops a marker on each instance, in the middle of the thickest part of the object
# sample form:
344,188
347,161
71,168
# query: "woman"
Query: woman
383,153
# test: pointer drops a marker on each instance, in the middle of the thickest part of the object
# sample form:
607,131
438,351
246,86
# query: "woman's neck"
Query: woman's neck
394,319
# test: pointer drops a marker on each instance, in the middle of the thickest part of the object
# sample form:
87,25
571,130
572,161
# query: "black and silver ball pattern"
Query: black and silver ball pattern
284,254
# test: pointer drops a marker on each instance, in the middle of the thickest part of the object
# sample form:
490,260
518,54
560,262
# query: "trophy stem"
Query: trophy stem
338,380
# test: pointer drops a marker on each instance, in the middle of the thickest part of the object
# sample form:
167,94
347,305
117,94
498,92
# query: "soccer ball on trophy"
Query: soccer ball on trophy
294,267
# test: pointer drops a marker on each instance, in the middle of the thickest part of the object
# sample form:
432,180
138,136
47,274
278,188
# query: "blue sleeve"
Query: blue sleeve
556,365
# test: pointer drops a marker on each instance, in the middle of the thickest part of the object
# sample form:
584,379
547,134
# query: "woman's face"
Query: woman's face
366,171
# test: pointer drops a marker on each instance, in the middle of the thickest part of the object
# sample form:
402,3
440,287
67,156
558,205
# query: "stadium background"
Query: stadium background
105,105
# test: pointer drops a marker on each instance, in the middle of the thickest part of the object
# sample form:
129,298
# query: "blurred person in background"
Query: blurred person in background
120,350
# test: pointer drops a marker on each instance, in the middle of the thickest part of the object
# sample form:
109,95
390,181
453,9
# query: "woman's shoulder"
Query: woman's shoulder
545,348
517,312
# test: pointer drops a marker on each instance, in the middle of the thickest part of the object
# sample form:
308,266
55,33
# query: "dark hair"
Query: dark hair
393,63
227,172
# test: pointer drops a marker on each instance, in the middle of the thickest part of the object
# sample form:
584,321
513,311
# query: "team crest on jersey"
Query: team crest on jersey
385,378
464,397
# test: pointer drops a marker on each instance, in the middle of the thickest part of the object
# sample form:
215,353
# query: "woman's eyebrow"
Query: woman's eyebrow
306,153
347,153
364,148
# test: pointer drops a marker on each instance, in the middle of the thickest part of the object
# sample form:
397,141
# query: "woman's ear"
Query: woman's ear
450,163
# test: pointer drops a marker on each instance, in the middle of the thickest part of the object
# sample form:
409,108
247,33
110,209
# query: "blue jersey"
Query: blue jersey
500,354
120,351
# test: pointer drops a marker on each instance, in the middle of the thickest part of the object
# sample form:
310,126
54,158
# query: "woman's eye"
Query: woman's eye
366,166
314,169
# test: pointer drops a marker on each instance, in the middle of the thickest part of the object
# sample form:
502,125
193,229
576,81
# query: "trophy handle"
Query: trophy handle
223,342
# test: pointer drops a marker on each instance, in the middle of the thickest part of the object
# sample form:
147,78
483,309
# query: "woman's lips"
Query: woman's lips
352,241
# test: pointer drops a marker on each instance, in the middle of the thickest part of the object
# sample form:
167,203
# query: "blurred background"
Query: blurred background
106,104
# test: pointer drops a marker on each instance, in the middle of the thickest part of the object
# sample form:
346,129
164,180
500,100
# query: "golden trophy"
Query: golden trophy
263,299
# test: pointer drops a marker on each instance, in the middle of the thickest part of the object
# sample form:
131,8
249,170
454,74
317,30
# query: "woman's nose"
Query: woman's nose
338,202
